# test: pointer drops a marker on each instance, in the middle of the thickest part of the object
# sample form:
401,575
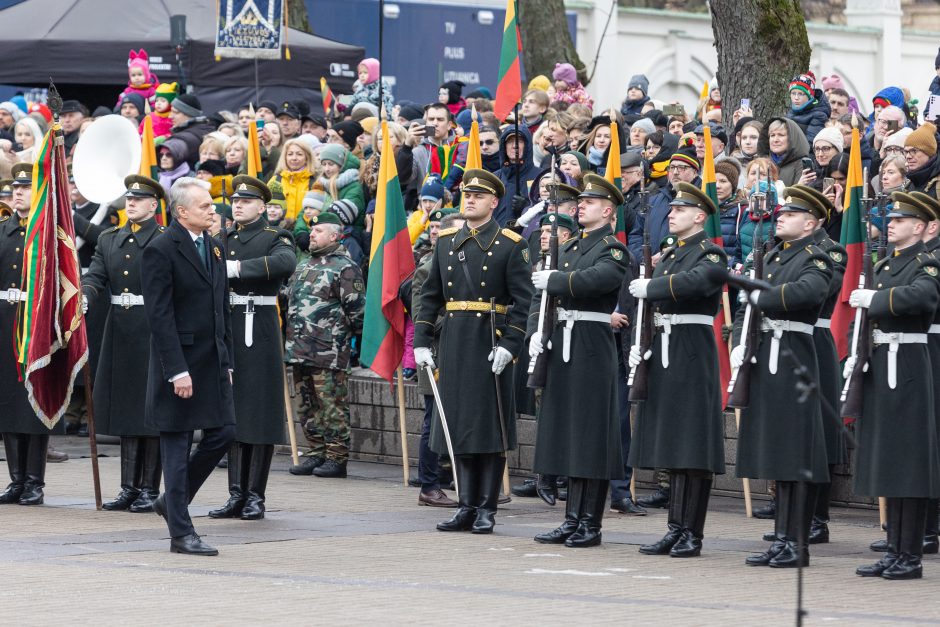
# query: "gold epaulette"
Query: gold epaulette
113,229
448,231
510,234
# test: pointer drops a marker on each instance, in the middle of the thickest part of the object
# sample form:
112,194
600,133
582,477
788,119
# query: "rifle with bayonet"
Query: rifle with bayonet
638,379
538,367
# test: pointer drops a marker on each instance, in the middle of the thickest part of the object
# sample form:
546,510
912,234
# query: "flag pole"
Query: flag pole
402,427
92,436
746,483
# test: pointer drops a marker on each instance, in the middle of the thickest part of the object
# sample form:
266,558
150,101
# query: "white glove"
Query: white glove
424,358
861,298
849,367
530,213
737,356
639,287
635,358
500,358
84,304
232,267
540,278
535,345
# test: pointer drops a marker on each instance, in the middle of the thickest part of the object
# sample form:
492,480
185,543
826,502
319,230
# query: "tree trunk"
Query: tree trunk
297,15
545,38
762,45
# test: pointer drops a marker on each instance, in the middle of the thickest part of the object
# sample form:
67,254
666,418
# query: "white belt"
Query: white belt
894,340
823,323
666,322
127,300
570,316
779,327
934,328
250,303
16,296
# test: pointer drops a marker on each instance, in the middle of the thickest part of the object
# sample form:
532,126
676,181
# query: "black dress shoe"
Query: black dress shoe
32,495
931,545
253,509
547,489
687,546
818,532
664,545
331,469
905,567
123,501
879,546
627,506
159,506
586,536
526,489
763,559
559,534
789,556
143,504
462,520
767,512
191,545
485,521
658,499
307,465
231,509
11,494
875,570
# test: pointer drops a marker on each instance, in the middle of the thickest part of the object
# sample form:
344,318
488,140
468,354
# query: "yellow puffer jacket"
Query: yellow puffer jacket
294,185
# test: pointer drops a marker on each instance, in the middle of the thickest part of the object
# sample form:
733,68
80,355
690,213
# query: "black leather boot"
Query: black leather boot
911,543
677,495
467,476
931,540
151,470
35,470
698,489
798,524
782,503
767,512
130,463
15,445
491,474
258,471
592,515
819,528
893,518
239,456
547,489
572,515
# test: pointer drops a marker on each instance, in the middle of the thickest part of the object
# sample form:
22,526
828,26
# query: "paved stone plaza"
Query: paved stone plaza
360,551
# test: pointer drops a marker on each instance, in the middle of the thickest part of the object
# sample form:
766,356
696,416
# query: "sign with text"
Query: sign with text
249,29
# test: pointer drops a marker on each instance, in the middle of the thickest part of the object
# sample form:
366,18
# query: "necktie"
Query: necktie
201,248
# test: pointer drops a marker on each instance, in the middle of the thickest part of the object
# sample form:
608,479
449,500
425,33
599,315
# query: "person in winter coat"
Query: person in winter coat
140,80
923,166
834,82
567,86
935,83
517,174
340,179
296,175
366,89
451,94
808,105
786,145
730,200
756,181
189,124
637,96
160,116
172,163
886,97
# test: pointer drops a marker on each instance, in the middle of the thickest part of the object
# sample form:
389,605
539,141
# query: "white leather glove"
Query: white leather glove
540,278
639,287
530,213
737,356
423,358
231,267
849,366
84,304
500,358
635,358
861,298
535,345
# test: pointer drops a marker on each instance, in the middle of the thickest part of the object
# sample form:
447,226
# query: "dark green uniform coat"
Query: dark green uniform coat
830,371
267,260
683,430
16,414
497,261
121,376
897,453
579,418
933,339
779,437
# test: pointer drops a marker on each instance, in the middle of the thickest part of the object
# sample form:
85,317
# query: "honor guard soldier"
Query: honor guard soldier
259,259
25,437
6,195
579,433
897,454
781,438
683,434
114,278
480,276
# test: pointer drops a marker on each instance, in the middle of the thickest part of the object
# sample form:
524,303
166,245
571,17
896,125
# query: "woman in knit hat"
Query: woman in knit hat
828,144
567,86
893,144
366,88
296,175
640,130
730,199
575,165
920,150
339,176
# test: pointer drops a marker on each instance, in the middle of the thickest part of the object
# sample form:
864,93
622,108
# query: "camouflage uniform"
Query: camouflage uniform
326,300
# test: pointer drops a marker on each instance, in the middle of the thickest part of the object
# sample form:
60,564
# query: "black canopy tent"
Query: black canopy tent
83,46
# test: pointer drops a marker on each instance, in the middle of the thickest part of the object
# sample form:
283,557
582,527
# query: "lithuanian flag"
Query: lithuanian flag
149,167
474,157
713,230
390,263
254,146
853,238
51,343
509,84
327,95
612,174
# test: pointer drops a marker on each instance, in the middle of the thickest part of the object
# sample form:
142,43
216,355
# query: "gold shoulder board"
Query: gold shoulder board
511,235
449,231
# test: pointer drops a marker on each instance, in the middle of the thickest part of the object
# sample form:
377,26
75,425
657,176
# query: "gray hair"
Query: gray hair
181,191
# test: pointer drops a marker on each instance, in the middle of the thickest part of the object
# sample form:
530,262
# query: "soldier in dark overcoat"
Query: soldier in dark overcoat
781,433
578,434
685,433
472,265
258,259
114,278
897,452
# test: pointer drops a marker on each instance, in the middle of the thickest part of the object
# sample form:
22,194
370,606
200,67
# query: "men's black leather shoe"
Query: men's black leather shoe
664,545
32,495
658,499
931,546
875,570
144,502
11,494
687,546
559,534
789,556
159,506
627,506
526,489
879,546
584,537
763,559
331,469
191,544
905,567
253,509
462,520
767,512
307,465
123,501
485,521
231,509
818,533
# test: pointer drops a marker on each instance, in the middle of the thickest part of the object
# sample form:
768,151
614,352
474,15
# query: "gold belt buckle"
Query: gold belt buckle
464,305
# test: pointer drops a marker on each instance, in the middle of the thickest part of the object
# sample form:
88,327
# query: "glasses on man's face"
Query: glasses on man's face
893,150
678,167
823,149
911,152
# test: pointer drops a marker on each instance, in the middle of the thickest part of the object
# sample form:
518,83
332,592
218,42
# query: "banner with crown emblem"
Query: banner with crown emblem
249,29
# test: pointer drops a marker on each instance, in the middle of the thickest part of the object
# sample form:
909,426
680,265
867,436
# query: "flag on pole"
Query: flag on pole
390,263
705,91
149,166
612,174
509,83
51,344
713,231
327,95
254,146
853,238
474,158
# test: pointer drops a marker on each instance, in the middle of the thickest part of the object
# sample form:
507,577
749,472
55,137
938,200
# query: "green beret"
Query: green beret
223,209
564,221
327,217
143,187
245,186
475,180
438,214
596,186
688,195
